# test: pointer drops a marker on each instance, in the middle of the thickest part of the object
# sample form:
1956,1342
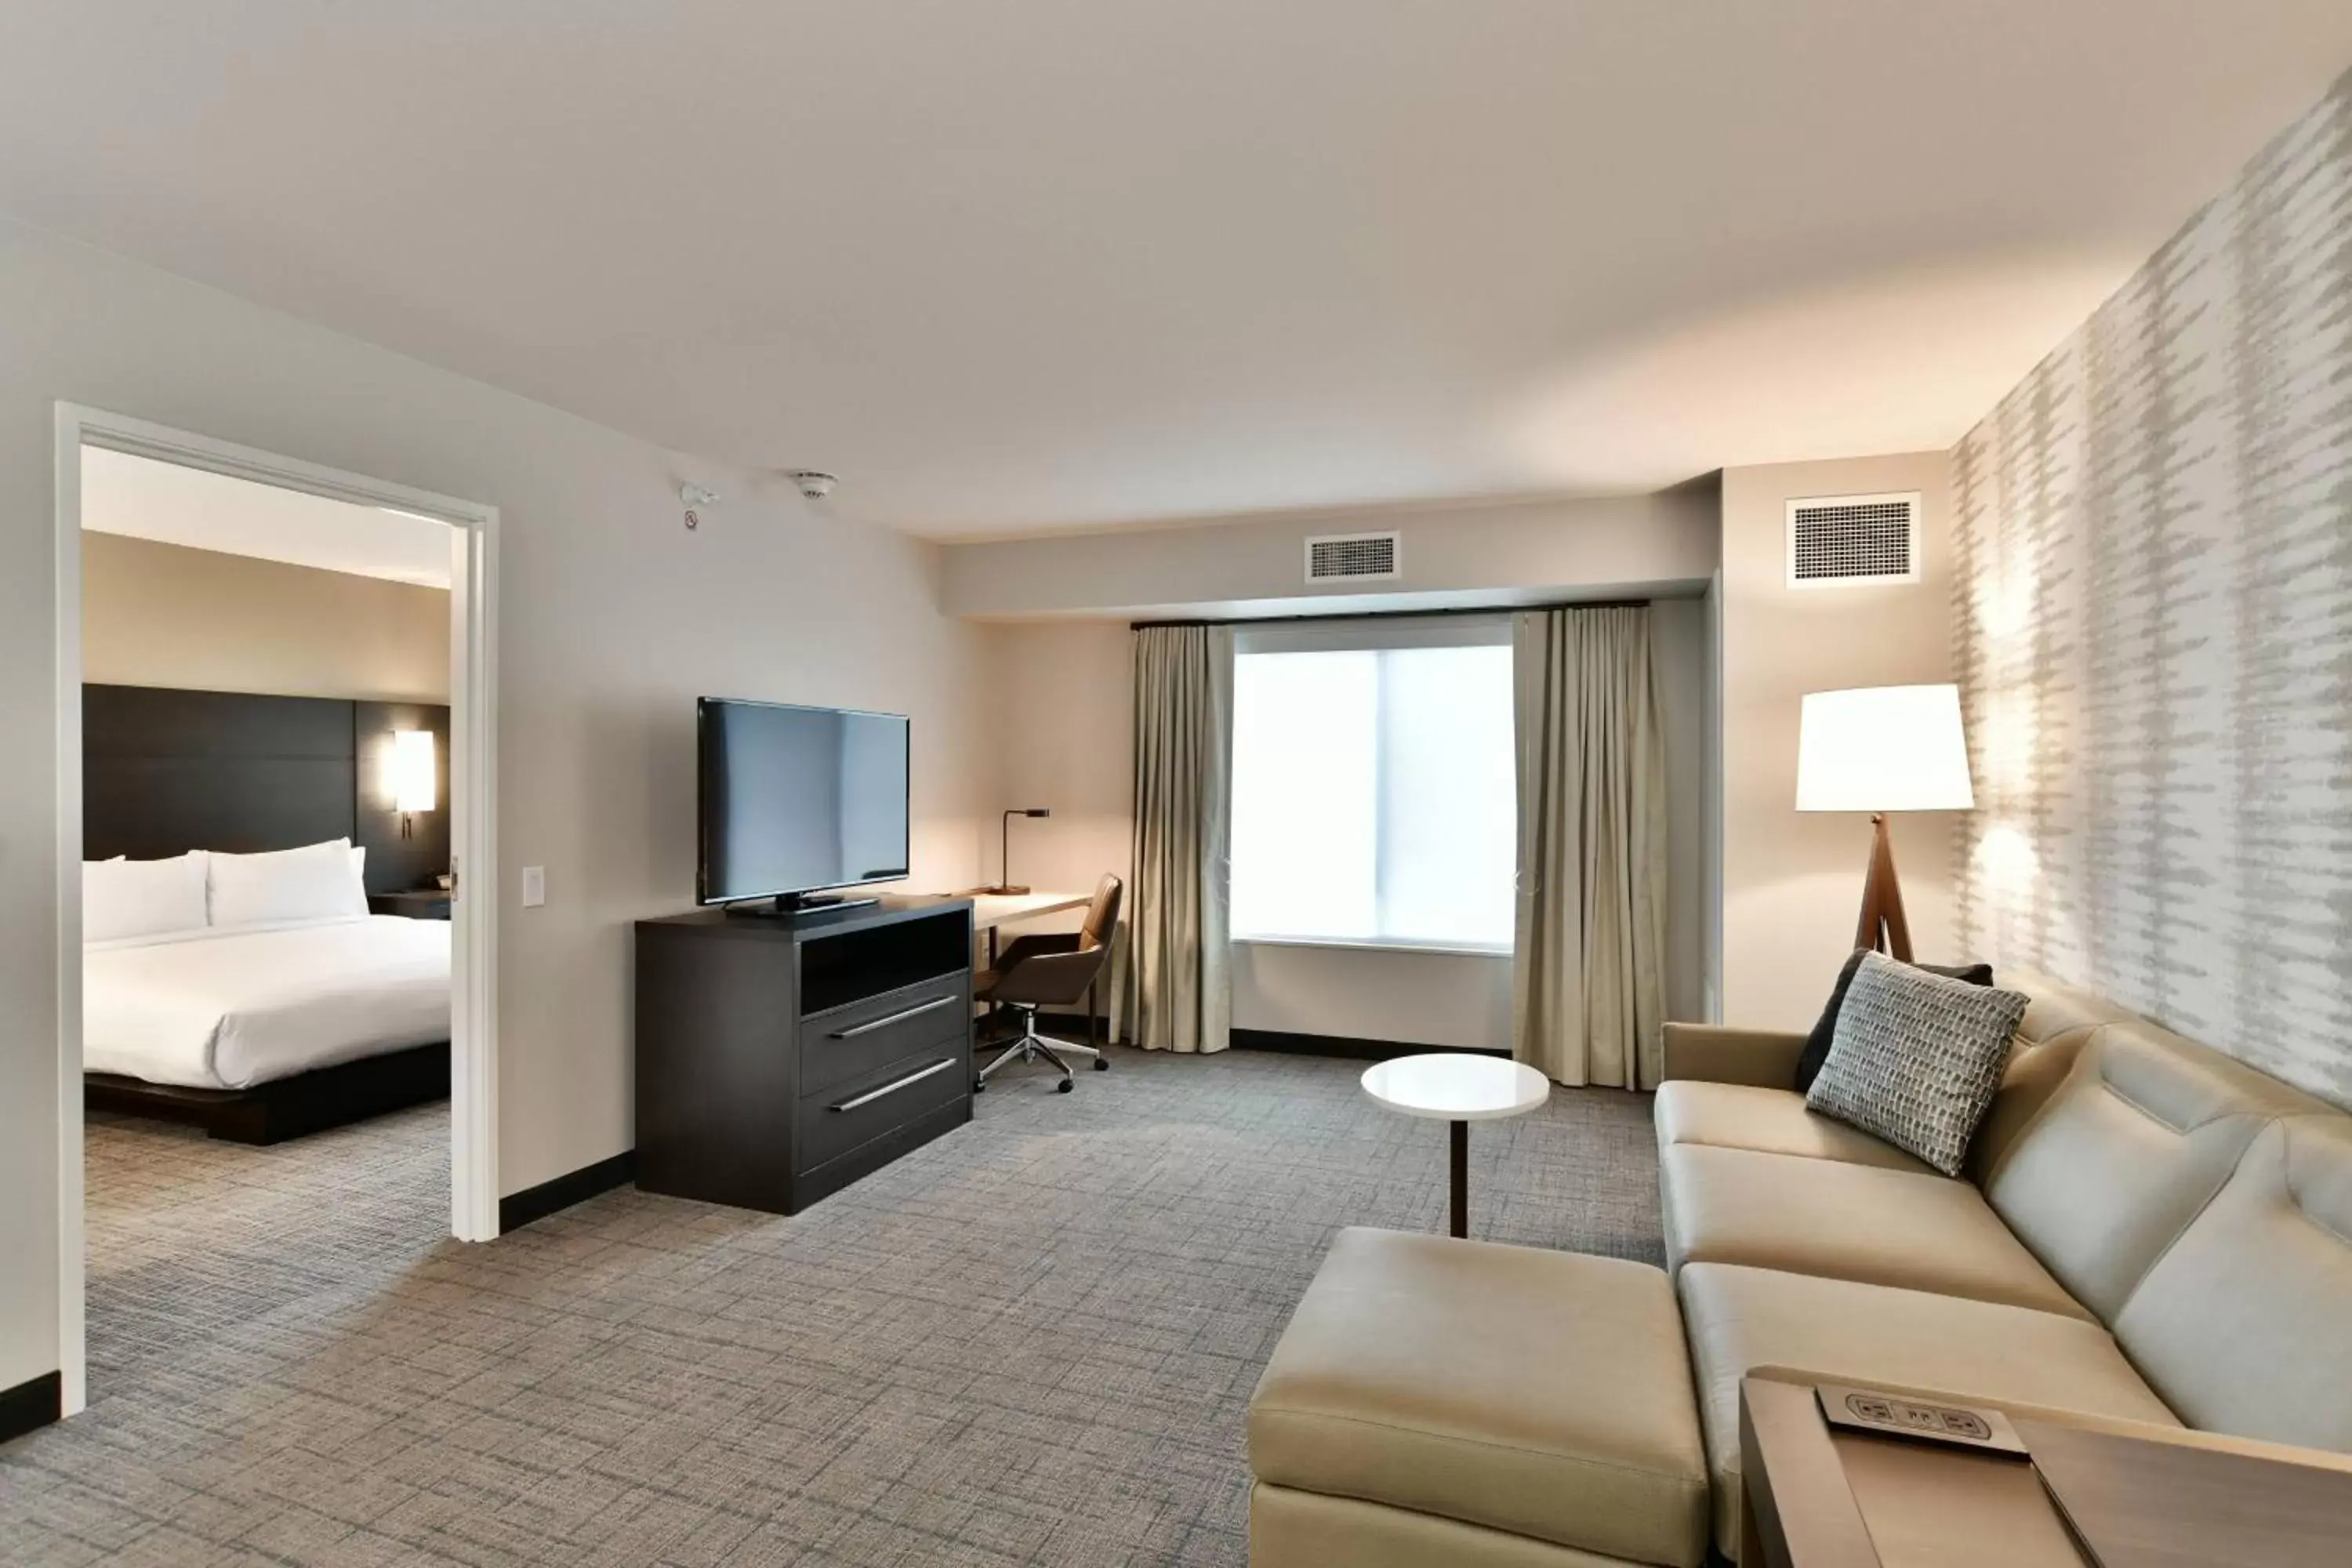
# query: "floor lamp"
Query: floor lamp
1883,748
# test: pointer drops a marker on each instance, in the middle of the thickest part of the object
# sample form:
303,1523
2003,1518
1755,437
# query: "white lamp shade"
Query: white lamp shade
1883,748
415,780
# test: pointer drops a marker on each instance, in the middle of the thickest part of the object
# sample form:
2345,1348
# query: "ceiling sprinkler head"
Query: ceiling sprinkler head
813,485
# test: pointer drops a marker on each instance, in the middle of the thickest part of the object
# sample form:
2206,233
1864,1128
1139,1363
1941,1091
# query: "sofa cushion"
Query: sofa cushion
1292,1529
2245,1323
2058,1011
1768,1121
1908,1229
2034,1074
1742,1319
1545,1393
2058,1021
2140,1136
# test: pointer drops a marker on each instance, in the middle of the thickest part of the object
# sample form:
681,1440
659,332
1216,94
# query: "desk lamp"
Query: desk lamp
1004,849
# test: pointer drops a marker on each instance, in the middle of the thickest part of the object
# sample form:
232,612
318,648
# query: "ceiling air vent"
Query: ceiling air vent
1351,557
1853,539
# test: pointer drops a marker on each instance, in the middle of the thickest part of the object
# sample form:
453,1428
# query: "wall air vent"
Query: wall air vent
1853,539
1352,557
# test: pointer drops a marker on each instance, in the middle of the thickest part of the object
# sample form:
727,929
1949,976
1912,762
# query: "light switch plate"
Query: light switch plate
534,887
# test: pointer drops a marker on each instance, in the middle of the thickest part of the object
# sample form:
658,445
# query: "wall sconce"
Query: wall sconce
415,775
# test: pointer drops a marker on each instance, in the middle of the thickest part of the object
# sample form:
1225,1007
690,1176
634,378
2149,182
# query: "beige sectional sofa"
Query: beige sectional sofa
2148,1231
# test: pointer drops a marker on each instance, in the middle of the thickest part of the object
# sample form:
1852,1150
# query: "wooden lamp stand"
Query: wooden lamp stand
1883,926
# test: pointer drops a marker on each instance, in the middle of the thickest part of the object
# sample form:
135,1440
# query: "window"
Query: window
1375,789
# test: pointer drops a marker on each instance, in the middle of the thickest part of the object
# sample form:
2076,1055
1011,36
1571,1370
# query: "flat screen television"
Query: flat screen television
796,801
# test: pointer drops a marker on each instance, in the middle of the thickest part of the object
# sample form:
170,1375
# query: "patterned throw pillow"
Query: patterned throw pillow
1917,1058
1817,1044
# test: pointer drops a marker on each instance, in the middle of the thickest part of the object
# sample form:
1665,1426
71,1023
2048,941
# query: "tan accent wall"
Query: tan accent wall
1792,880
1061,703
1061,708
163,615
1521,551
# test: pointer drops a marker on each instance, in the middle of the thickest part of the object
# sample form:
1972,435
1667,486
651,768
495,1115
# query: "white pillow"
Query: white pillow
316,883
142,898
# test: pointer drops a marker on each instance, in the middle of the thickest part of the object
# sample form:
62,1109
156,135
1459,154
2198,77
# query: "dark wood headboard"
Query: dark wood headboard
165,771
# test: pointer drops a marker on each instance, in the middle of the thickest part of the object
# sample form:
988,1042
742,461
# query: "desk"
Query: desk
989,910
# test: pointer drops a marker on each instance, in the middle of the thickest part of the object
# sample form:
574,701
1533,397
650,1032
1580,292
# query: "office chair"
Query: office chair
1052,970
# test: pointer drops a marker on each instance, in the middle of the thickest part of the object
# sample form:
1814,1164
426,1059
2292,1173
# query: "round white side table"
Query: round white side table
1460,1089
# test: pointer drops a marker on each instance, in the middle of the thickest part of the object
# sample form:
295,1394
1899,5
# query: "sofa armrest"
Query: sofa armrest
2116,1426
1713,1054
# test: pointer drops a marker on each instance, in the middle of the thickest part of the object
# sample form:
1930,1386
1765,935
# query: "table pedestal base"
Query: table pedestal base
1461,1179
1457,1088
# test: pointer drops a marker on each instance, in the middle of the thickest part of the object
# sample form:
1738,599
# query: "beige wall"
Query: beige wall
1792,881
163,615
614,618
1523,553
1061,709
1374,994
1059,705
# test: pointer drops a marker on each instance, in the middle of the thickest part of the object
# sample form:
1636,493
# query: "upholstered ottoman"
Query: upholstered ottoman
1460,1403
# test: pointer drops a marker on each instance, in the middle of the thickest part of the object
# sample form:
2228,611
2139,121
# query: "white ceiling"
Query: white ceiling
1036,264
162,501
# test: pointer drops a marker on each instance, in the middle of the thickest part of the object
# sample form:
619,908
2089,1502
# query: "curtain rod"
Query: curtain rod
1400,614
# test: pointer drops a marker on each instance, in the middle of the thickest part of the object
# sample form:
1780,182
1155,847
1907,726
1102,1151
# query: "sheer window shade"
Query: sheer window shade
1375,793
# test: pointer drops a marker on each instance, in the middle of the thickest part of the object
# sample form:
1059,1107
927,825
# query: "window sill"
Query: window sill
1373,944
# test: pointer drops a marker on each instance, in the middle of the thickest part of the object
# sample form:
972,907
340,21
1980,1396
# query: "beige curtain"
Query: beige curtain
1174,989
1587,979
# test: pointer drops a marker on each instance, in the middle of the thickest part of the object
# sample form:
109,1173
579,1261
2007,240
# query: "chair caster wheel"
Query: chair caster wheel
1102,1064
1064,1087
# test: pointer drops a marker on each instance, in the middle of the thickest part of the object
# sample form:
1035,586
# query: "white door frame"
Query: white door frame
473,837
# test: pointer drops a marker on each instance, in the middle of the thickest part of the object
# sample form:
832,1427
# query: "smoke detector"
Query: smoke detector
812,484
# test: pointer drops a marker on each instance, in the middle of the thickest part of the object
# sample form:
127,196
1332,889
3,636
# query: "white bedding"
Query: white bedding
232,1007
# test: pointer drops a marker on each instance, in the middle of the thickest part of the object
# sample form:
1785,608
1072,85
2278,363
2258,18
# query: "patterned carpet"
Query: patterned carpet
1030,1342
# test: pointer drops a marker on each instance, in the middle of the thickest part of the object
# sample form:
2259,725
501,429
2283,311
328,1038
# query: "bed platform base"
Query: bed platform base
272,1113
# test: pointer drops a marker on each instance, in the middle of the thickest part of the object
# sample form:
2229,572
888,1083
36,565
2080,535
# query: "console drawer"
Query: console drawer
845,1042
866,1107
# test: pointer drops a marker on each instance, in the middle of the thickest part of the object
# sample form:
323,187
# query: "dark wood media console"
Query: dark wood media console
778,1059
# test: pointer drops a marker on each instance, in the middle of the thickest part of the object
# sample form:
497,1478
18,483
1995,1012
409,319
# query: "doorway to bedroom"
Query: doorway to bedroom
278,1071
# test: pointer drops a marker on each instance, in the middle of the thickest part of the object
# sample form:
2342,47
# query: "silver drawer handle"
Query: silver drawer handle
917,1075
889,1018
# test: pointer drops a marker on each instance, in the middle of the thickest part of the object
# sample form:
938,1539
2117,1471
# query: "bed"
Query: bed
254,1027
233,1007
